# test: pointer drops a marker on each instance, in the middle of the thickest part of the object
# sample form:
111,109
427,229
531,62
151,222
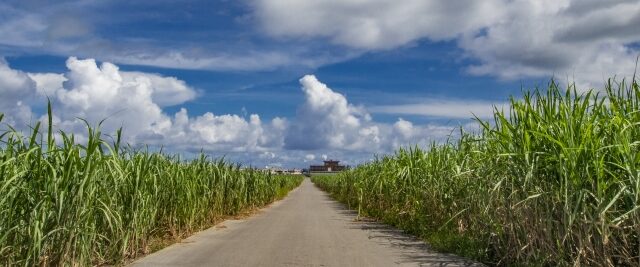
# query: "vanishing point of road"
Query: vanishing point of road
307,228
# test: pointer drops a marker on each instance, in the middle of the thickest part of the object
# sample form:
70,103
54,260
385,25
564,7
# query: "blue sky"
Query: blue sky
230,77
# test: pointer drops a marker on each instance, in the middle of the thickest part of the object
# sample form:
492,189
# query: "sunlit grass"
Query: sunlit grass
64,203
552,181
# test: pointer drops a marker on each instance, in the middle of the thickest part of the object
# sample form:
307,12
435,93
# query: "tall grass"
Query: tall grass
63,203
552,181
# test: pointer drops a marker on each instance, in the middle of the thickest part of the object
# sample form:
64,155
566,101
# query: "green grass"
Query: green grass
70,204
552,181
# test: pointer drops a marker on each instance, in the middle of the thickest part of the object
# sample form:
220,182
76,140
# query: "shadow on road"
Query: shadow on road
415,251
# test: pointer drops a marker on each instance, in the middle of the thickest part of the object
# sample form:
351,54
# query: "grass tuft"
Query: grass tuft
70,204
552,181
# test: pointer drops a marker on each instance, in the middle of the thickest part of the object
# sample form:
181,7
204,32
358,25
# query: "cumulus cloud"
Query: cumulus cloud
133,101
228,132
588,41
326,120
167,91
17,91
404,128
326,124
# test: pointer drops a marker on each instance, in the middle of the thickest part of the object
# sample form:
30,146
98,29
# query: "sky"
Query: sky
287,83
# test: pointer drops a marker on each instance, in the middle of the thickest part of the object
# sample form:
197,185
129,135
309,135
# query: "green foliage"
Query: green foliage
553,181
99,203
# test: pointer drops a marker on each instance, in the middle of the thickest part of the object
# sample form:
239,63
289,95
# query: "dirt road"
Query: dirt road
307,228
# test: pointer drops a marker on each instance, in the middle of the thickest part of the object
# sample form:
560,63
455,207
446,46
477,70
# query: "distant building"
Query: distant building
329,166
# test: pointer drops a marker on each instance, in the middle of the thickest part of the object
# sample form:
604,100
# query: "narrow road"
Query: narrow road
307,228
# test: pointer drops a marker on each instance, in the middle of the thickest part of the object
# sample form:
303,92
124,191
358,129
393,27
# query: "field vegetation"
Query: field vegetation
553,180
101,202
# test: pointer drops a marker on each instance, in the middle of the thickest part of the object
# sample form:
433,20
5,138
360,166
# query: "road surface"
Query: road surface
307,228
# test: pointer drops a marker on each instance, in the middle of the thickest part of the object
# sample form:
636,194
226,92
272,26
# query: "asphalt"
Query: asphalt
307,228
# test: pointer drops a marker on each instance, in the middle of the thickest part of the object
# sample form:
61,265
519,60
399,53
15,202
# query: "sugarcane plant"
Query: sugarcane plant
551,180
66,203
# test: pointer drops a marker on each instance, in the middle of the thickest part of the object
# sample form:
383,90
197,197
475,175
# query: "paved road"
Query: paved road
305,229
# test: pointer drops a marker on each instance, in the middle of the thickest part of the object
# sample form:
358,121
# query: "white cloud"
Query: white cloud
133,101
167,91
20,28
583,40
540,38
231,57
95,93
17,91
250,61
77,28
225,132
38,27
326,119
404,133
325,124
444,108
588,40
48,84
404,128
245,57
376,24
